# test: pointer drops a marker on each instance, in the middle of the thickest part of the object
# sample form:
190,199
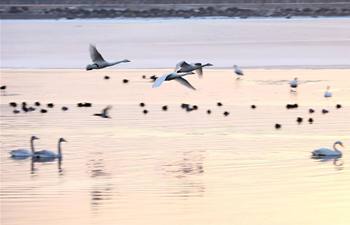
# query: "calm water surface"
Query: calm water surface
176,167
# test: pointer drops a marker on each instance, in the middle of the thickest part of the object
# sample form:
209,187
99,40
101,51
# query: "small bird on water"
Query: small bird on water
98,60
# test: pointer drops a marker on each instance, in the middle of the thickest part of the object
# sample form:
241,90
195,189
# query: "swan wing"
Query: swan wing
96,57
159,81
184,82
44,154
20,153
183,67
238,71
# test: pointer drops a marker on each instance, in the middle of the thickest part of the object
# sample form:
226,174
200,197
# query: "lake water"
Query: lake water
171,167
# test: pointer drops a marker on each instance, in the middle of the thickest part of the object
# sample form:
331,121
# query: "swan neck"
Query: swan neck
59,149
32,145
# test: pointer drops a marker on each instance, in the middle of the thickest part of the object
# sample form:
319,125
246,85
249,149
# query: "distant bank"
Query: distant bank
71,9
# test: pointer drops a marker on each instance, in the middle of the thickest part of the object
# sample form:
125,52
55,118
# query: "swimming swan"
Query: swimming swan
50,154
25,152
328,152
238,71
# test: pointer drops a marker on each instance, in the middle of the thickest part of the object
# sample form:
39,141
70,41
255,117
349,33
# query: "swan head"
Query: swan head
126,60
34,138
91,67
62,140
235,66
339,143
209,64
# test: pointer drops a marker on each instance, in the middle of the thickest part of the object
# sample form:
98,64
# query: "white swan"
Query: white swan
238,71
173,76
50,154
328,152
24,152
184,67
293,84
98,60
328,94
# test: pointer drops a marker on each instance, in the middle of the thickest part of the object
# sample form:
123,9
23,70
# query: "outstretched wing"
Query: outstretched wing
105,110
159,81
95,55
184,82
183,67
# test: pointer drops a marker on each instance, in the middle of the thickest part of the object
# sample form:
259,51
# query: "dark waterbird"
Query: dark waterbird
226,113
125,81
338,106
253,106
208,111
145,111
292,106
64,108
142,104
106,77
299,120
50,105
164,107
311,110
310,120
13,104
43,110
37,103
278,126
104,113
325,111
219,104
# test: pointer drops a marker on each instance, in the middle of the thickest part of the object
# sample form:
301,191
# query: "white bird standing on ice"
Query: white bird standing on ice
98,60
184,67
293,84
238,71
50,154
173,76
328,93
322,152
24,152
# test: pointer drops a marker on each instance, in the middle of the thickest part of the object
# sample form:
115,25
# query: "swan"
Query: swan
25,152
328,94
50,154
184,67
293,84
238,71
98,61
328,152
104,113
173,76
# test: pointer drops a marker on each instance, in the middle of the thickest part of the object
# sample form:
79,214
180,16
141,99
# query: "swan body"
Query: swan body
22,153
321,152
173,76
294,83
47,154
98,60
238,71
184,67
327,94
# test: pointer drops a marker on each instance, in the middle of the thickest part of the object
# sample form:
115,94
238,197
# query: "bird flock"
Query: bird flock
181,70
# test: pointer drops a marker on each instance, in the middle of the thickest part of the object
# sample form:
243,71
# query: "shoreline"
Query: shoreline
190,10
